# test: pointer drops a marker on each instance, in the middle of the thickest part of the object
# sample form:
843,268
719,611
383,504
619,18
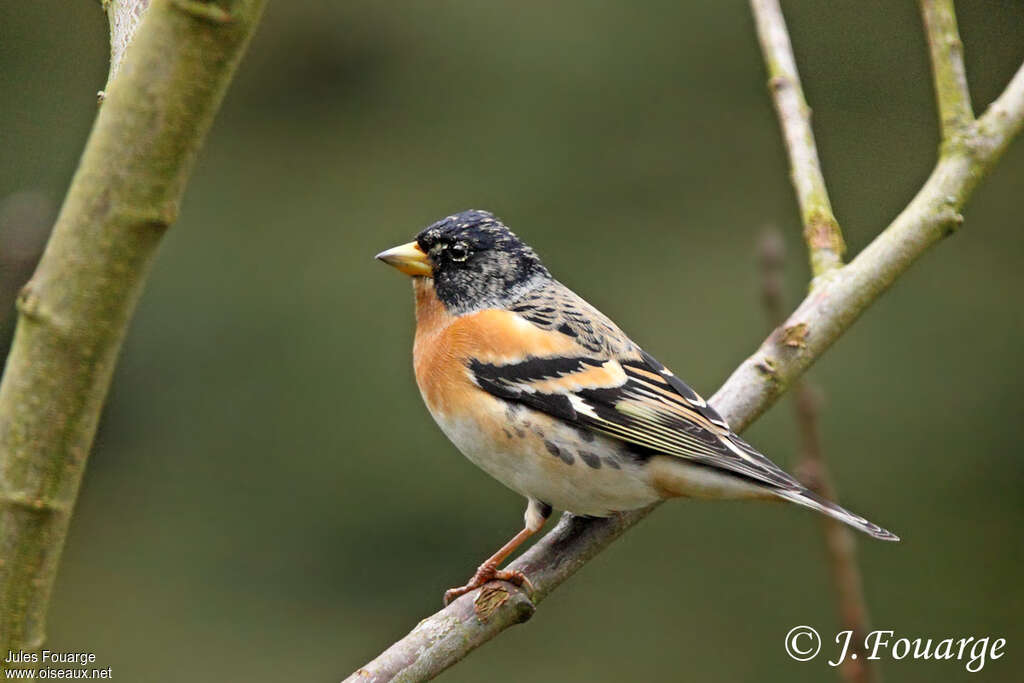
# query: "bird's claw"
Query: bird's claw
486,574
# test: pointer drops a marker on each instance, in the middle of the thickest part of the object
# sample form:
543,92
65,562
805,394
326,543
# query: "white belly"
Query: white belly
545,459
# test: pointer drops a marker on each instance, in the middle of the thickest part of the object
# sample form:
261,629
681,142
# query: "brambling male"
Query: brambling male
547,395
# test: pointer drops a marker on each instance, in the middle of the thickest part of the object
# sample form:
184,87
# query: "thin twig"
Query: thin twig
447,636
947,59
813,471
821,230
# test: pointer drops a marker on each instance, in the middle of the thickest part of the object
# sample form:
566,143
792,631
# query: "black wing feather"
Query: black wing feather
650,408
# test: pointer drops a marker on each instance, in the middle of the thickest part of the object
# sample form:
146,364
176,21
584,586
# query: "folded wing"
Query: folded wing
623,392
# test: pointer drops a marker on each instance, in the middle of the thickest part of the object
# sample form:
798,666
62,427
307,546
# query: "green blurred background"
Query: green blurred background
268,499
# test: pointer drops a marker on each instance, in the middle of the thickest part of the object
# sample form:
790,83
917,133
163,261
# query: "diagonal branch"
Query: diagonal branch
1004,117
947,58
821,230
441,640
74,311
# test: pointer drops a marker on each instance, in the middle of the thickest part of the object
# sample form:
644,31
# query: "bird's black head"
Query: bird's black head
474,260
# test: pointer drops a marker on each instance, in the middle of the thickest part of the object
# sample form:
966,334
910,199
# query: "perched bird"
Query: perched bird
547,395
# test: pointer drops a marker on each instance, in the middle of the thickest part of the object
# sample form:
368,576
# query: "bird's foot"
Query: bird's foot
485,574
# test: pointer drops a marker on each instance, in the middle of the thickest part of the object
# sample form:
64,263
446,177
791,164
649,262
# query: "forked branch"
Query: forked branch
841,295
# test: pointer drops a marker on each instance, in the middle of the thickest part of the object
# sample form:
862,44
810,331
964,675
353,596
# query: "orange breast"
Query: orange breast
446,344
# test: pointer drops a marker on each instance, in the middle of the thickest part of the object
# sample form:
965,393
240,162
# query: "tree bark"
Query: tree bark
74,311
825,245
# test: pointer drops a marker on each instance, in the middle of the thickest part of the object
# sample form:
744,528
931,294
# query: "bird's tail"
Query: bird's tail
815,502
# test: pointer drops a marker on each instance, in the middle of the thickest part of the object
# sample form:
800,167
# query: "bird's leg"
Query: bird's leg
536,514
489,571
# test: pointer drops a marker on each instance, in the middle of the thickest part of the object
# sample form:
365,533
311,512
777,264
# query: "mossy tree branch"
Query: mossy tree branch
841,294
824,239
74,311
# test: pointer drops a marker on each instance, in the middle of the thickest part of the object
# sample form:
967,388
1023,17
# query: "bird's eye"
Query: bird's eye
459,251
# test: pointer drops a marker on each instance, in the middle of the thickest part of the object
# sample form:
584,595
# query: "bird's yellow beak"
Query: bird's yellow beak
408,258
